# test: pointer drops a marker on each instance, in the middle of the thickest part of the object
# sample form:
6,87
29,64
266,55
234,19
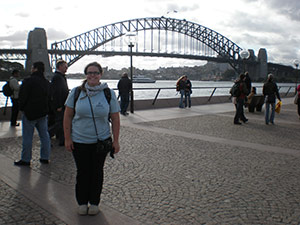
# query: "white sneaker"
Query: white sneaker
82,210
93,210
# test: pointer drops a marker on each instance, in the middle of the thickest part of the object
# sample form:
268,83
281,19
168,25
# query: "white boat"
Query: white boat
142,79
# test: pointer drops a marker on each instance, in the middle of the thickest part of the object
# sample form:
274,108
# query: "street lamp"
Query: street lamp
296,63
245,54
131,40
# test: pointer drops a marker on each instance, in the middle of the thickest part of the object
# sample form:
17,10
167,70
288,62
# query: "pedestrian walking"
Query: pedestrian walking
270,92
88,135
124,87
34,103
239,92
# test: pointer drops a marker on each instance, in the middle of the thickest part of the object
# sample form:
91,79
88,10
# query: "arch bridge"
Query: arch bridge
158,36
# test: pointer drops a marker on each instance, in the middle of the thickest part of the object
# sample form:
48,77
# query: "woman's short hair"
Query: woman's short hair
93,64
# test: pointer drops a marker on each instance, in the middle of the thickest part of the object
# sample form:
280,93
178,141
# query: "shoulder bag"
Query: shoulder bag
102,147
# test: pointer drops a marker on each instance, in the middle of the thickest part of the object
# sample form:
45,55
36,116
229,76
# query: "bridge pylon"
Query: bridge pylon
37,46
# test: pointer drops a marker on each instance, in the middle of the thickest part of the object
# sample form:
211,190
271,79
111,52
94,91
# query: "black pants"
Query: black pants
59,129
124,102
14,111
89,179
239,113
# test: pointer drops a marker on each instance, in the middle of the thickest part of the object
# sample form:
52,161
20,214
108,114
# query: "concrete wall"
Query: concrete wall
147,104
37,44
263,63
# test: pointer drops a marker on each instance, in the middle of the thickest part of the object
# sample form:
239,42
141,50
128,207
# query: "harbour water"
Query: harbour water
149,90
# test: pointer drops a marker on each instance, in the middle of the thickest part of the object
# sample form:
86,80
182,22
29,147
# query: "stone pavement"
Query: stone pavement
176,166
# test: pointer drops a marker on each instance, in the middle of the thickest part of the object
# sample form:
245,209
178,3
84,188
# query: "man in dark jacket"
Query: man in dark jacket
270,91
59,94
240,101
124,86
34,104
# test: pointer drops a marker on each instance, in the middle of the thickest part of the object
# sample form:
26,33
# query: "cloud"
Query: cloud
15,40
290,8
17,36
22,14
181,9
58,8
56,35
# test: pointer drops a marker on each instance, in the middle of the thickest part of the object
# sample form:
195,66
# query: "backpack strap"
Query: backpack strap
76,95
107,94
78,89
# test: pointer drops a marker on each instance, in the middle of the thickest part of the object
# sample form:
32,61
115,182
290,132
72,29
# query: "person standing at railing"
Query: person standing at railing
188,92
14,85
124,87
181,87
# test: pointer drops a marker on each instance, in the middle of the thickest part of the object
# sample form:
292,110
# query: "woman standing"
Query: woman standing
181,86
88,136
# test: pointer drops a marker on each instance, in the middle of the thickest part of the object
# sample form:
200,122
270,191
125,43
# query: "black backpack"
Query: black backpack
235,91
7,91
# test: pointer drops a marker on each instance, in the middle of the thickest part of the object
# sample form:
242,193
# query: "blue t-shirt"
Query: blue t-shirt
83,129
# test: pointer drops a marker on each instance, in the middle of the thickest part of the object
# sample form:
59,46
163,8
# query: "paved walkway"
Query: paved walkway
176,166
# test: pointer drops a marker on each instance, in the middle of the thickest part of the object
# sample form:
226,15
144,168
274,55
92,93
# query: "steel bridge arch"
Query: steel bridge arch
91,40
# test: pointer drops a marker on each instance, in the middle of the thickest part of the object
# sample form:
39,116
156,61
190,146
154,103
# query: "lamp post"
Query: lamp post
131,40
245,54
296,63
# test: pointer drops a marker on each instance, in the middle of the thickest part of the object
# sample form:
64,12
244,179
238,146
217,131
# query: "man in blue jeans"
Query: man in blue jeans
34,99
270,92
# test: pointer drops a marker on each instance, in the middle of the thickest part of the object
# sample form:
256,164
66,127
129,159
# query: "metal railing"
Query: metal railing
214,89
288,89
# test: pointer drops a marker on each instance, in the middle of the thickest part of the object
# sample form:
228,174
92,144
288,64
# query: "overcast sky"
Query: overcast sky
251,24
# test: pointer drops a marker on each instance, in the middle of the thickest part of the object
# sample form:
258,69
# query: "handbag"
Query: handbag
278,107
102,146
296,99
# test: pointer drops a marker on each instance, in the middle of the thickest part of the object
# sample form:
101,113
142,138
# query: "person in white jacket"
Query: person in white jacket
14,85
